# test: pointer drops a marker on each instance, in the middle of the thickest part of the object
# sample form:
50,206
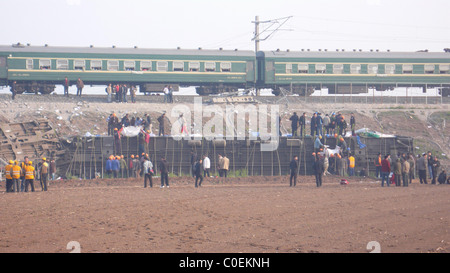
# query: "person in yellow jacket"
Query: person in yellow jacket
351,165
30,173
44,174
9,181
22,173
15,173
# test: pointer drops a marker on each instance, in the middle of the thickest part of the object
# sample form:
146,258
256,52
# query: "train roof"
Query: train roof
355,54
120,50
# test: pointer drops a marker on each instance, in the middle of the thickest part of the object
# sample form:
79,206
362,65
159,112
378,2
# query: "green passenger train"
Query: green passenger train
38,69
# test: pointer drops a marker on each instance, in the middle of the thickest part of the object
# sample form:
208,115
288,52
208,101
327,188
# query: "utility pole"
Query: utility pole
256,22
276,23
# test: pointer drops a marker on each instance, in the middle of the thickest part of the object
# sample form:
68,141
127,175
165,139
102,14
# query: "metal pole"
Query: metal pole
256,33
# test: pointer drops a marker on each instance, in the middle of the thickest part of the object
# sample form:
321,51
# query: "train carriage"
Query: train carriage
354,72
40,68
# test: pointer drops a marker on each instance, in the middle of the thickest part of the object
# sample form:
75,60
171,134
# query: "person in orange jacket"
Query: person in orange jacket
15,173
30,174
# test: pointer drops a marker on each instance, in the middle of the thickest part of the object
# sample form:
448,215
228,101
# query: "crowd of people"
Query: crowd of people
333,124
20,176
142,167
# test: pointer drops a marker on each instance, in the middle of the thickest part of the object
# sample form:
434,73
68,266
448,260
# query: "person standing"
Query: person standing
116,166
378,166
293,166
385,170
226,165
302,124
353,124
124,92
13,90
294,124
66,87
164,169
123,167
220,167
332,125
8,176
22,173
351,165
80,86
170,94
422,163
326,123
15,174
435,165
198,173
405,172
136,166
318,169
319,125
161,124
133,91
313,124
148,172
166,93
44,174
206,166
30,174
108,166
109,92
412,167
430,164
397,172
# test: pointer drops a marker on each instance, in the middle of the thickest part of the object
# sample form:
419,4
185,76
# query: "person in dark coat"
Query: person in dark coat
435,165
353,124
198,173
293,166
313,124
13,89
442,177
302,124
318,169
294,124
164,169
66,87
161,124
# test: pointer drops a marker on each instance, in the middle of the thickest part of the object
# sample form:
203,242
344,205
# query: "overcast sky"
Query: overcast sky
398,25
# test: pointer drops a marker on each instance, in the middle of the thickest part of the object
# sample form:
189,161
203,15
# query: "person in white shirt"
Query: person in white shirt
206,165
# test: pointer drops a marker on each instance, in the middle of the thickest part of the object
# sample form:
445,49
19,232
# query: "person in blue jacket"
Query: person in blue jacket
108,166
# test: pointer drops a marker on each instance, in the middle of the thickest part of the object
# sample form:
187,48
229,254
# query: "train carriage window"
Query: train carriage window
62,64
146,65
178,66
96,65
372,68
112,65
338,68
162,66
389,68
210,66
407,69
428,68
225,67
129,65
79,64
194,66
444,68
45,64
355,69
321,68
303,68
29,64
288,68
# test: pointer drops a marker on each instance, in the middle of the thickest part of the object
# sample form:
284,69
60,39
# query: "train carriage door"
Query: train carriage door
270,71
250,72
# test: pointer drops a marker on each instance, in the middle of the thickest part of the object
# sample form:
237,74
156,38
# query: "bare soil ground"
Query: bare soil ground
249,215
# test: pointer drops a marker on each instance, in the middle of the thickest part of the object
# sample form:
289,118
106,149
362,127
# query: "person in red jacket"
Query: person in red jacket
385,170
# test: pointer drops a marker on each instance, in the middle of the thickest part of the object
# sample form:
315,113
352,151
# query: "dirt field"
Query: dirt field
257,215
